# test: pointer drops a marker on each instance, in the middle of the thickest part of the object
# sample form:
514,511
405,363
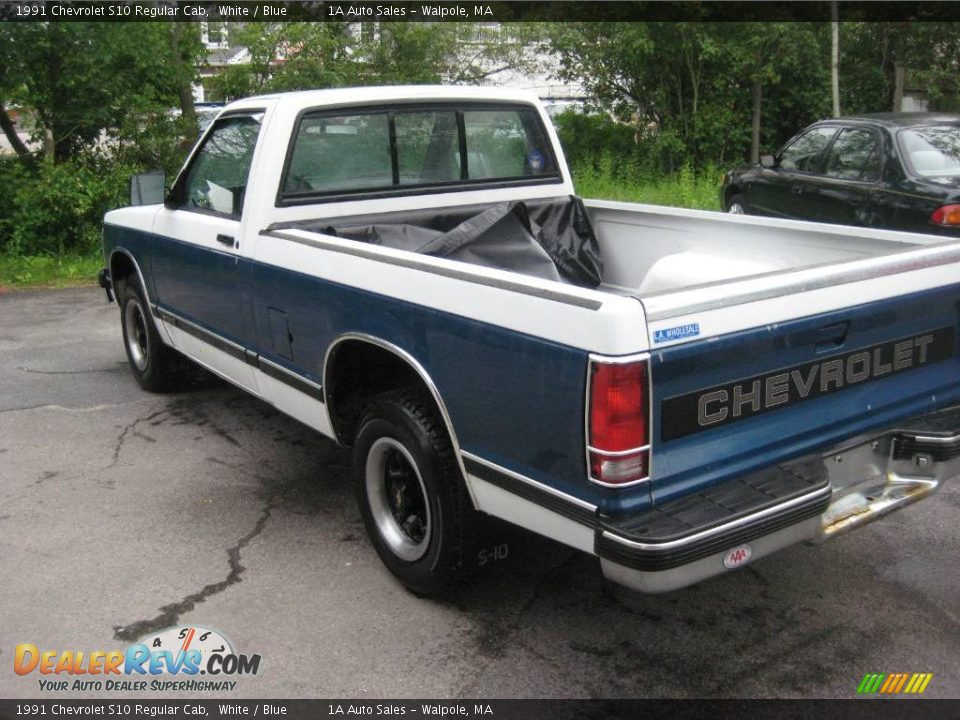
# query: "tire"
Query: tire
737,205
411,496
153,364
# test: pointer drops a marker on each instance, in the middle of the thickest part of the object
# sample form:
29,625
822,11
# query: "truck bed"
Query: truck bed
646,250
650,249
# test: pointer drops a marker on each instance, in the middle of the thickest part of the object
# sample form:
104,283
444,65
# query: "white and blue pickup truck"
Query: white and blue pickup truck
408,271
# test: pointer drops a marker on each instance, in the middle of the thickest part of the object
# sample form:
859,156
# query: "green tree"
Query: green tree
84,82
300,56
761,56
695,90
877,56
287,56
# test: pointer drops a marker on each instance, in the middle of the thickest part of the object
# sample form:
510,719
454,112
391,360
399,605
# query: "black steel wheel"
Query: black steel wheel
152,362
411,495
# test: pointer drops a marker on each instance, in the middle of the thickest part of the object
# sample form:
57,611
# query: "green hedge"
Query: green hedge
49,209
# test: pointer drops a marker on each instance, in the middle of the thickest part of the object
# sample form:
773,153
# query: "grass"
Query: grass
606,180
67,270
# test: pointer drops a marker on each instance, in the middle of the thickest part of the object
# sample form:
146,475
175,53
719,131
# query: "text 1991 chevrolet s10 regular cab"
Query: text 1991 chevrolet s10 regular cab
408,271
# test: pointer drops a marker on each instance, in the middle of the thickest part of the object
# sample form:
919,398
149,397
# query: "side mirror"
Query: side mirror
148,188
768,161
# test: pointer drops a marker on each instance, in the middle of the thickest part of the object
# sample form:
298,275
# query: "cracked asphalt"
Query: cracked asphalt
122,513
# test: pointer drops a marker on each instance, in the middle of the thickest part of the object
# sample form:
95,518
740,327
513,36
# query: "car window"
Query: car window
389,149
931,152
804,152
855,155
216,180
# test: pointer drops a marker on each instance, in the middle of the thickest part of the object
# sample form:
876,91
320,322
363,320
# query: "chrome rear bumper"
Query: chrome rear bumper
874,477
862,480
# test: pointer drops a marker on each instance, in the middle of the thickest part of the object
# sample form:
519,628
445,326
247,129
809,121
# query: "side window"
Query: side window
216,180
802,154
855,155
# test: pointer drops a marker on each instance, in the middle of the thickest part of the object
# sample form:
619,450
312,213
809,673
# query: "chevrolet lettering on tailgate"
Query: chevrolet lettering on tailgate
715,406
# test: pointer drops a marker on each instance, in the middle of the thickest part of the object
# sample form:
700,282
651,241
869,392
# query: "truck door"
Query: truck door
196,259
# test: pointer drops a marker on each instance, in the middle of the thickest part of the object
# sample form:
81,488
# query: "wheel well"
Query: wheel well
357,372
729,193
121,269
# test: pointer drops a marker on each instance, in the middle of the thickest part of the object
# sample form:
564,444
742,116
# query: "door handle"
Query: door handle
225,239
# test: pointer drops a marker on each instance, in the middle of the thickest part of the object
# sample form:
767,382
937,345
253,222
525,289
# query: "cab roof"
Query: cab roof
380,94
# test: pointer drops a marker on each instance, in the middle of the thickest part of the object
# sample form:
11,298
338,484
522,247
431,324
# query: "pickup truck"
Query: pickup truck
409,272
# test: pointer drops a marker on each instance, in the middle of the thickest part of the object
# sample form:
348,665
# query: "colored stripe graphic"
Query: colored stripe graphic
870,683
894,683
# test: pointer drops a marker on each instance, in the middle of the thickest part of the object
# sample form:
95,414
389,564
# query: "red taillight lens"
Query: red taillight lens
618,435
947,215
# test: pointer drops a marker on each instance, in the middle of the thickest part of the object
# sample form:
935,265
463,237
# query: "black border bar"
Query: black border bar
891,707
458,11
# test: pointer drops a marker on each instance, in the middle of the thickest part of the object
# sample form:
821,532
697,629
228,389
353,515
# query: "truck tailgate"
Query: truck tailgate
862,345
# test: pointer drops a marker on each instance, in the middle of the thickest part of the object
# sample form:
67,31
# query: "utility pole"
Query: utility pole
835,57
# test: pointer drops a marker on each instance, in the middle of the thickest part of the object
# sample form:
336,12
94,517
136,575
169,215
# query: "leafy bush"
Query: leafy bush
609,179
58,208
11,174
587,137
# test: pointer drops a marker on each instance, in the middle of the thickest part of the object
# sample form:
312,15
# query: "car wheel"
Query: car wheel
737,205
411,496
152,362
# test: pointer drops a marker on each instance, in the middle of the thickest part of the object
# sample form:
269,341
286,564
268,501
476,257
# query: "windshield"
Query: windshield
932,152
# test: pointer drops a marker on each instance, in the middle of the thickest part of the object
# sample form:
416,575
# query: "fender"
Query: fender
143,286
421,372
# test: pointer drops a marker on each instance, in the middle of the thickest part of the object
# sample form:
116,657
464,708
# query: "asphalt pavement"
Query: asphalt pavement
123,513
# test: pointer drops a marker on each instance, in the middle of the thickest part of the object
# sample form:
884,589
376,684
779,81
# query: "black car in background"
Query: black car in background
899,171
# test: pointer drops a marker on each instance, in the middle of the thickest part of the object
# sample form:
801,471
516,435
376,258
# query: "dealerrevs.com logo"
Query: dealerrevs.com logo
172,659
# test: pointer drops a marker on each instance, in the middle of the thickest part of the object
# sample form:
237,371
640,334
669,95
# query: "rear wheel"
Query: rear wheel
411,496
737,205
153,363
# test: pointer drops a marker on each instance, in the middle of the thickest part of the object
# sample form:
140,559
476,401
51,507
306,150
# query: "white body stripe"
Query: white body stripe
298,405
505,505
216,361
615,328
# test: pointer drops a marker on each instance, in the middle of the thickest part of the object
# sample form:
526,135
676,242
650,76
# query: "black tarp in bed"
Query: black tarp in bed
548,240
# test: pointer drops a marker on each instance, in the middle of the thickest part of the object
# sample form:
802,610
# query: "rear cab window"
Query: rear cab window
429,148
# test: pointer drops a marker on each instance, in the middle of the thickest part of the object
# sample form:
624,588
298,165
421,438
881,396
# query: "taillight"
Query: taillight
947,215
618,433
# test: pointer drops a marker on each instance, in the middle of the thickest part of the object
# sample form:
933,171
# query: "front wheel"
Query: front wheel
737,205
152,362
411,496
